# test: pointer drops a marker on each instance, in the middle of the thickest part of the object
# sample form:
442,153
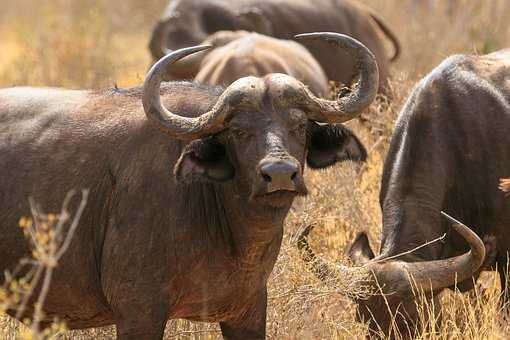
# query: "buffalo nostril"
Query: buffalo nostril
279,171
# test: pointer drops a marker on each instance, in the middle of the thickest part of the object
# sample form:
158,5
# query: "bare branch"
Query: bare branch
26,297
74,224
49,242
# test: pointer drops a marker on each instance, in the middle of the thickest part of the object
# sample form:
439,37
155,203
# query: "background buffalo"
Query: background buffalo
240,53
189,22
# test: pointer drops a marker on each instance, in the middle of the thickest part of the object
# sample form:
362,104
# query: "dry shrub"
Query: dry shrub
86,43
25,288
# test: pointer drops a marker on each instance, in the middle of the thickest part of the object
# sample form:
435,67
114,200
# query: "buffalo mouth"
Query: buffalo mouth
277,199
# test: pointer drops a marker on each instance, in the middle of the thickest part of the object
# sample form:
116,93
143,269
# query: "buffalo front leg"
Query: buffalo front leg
140,308
251,324
140,328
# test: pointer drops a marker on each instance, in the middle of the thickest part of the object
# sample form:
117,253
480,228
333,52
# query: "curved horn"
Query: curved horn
321,269
439,274
428,275
349,106
186,68
190,66
173,124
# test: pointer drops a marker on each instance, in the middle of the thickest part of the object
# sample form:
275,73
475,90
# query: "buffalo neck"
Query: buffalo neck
414,188
248,234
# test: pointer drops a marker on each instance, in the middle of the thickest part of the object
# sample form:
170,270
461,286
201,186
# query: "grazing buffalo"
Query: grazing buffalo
150,247
189,22
448,152
251,54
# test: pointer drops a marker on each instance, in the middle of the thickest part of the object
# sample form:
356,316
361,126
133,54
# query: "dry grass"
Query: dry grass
85,43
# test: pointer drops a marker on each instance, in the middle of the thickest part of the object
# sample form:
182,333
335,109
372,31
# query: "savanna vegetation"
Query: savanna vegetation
103,43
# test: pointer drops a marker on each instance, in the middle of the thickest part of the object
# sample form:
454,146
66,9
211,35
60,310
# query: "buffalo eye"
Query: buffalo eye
238,133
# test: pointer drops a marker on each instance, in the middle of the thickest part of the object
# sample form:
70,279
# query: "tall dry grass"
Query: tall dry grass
91,44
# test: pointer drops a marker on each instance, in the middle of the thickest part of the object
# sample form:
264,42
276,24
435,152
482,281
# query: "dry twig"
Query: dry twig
49,238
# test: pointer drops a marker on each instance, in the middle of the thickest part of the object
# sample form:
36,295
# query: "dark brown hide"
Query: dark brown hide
150,248
252,54
449,149
189,22
448,152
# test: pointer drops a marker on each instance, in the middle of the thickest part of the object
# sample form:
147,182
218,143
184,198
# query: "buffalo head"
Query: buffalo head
261,130
397,285
191,21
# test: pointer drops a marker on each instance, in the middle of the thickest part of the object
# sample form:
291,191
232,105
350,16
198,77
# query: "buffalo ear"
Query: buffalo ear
203,160
360,251
253,20
332,143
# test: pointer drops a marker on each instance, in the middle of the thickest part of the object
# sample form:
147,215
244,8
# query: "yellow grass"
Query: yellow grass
96,44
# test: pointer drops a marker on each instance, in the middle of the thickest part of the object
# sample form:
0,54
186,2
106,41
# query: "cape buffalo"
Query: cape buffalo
448,152
190,22
251,54
149,248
